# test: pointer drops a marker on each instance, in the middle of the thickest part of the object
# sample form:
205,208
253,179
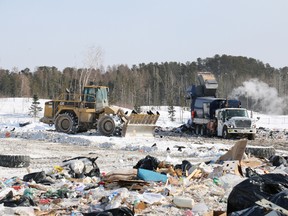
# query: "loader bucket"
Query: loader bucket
140,125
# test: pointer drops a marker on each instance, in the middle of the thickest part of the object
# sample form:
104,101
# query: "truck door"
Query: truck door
220,123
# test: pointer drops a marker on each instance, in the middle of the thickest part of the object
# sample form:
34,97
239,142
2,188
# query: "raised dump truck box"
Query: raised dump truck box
217,116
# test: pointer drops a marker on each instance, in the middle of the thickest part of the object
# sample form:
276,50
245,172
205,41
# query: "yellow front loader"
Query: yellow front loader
74,113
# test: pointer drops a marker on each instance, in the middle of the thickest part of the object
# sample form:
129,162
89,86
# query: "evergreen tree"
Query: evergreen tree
35,108
137,108
171,112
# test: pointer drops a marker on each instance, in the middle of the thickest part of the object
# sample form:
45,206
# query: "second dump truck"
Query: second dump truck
214,116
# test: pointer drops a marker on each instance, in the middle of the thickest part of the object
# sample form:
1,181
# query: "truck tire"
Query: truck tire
225,133
14,161
197,129
203,130
251,136
209,133
65,123
106,126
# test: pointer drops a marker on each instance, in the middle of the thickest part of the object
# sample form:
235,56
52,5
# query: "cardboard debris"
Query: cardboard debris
236,152
132,184
232,167
251,162
125,174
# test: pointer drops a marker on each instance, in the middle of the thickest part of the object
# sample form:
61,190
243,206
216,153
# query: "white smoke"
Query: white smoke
262,96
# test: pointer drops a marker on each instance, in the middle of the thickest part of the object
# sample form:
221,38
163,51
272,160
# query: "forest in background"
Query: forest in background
153,84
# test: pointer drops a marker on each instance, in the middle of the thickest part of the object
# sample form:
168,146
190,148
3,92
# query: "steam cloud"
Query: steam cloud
262,96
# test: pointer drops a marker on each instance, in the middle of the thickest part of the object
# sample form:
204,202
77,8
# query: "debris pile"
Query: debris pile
238,183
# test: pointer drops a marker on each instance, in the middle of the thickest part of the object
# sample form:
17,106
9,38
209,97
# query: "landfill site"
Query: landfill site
173,173
223,161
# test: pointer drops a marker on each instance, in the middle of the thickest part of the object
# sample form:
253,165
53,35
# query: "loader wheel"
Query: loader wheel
65,123
106,125
225,133
15,161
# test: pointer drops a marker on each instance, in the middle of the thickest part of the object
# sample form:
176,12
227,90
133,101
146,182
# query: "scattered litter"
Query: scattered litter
237,183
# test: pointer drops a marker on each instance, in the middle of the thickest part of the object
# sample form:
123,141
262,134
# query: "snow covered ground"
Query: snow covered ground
48,148
14,111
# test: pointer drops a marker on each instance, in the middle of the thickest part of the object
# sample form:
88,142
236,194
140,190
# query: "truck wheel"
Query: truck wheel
106,125
225,133
197,129
65,123
209,133
203,130
251,136
15,161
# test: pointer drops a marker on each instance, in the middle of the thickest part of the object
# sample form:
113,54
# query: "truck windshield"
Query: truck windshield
236,113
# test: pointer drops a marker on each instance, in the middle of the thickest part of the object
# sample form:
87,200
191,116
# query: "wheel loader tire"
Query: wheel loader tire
225,133
14,161
106,126
65,123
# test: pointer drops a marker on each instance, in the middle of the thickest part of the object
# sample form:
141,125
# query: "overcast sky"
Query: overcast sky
60,32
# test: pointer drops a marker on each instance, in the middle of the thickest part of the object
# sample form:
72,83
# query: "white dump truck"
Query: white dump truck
214,116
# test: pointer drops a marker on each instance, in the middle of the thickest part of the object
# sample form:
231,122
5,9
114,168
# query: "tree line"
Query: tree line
144,84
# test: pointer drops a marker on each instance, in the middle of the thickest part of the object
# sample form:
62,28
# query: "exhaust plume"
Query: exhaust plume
262,96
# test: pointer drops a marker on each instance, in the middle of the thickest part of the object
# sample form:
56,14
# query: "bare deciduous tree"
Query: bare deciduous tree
92,62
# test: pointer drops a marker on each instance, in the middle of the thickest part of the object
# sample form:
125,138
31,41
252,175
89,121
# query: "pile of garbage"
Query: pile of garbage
235,184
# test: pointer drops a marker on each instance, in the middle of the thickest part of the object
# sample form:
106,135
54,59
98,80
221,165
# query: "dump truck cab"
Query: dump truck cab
235,121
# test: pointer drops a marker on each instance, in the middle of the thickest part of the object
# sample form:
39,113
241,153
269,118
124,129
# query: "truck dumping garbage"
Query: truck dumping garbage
214,116
74,113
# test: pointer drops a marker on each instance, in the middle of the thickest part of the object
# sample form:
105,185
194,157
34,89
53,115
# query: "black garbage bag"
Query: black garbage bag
252,211
38,177
122,211
10,201
250,172
245,194
280,199
149,163
277,160
185,166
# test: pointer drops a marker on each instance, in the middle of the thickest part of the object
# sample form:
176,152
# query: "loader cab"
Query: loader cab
95,97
